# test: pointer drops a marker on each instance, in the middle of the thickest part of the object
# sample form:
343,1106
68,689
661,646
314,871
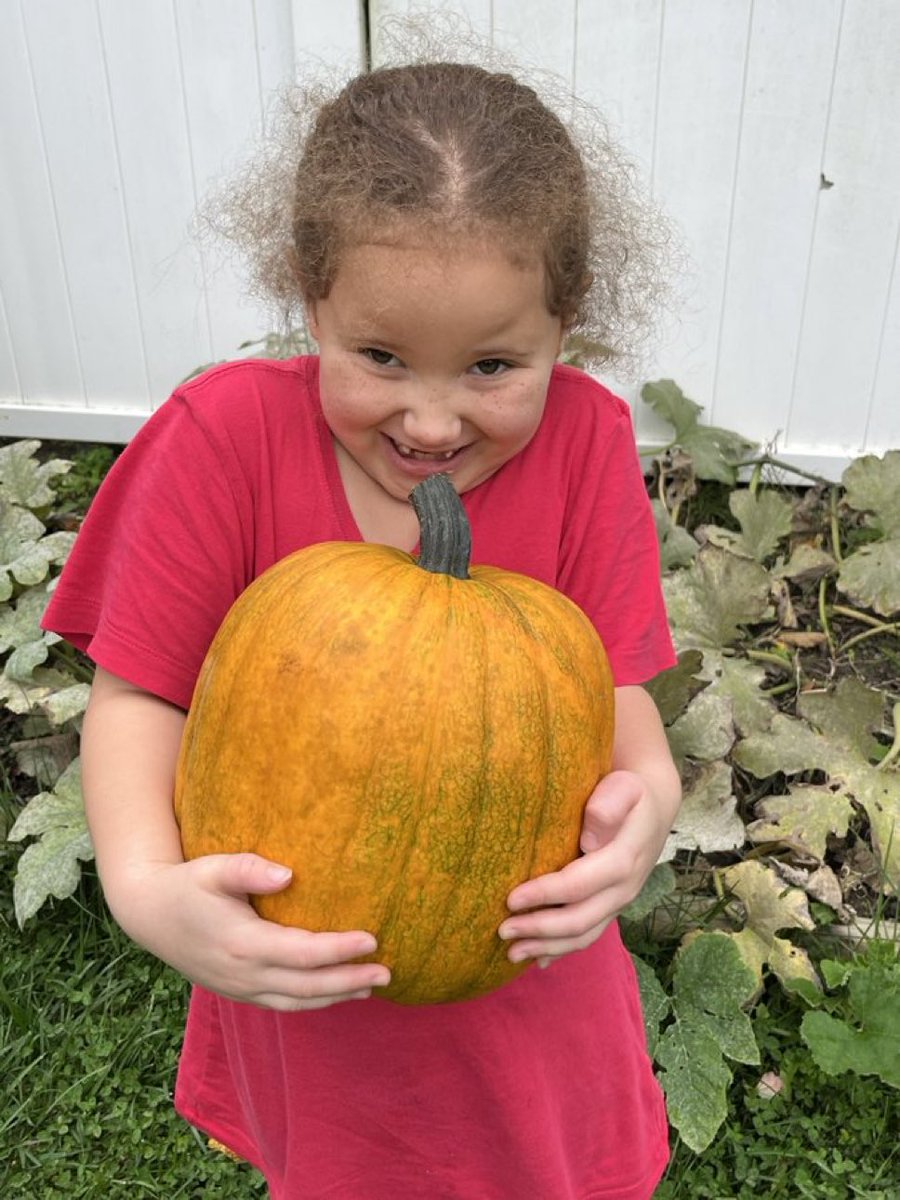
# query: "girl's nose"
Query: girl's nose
431,423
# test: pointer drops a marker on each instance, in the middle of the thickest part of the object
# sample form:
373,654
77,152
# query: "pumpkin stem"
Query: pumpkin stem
446,538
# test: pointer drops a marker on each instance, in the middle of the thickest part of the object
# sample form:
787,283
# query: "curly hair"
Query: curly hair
452,149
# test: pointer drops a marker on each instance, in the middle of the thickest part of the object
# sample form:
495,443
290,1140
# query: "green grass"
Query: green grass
822,1138
90,1028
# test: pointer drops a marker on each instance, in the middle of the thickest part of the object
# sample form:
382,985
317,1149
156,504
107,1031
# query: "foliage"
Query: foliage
90,1027
765,937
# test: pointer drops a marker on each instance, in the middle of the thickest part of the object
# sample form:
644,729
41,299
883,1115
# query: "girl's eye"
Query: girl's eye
491,366
382,358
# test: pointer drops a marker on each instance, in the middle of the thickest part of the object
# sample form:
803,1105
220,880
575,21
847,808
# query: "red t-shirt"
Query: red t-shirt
540,1091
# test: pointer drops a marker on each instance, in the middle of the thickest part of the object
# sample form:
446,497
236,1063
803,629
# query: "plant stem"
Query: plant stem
870,633
835,528
894,753
854,615
767,460
823,616
776,660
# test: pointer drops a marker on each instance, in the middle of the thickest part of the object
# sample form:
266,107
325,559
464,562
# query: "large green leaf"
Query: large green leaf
871,576
869,1042
765,518
714,451
711,601
711,987
25,481
872,485
50,865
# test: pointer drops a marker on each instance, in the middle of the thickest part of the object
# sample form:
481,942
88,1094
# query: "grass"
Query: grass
822,1138
90,1028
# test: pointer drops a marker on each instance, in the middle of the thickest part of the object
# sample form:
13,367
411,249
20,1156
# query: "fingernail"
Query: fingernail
589,842
517,956
278,874
508,932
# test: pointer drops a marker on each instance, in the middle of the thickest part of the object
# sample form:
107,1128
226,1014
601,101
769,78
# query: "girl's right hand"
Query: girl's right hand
197,917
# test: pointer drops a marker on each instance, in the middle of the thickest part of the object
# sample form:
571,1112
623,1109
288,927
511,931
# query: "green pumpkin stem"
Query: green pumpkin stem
446,537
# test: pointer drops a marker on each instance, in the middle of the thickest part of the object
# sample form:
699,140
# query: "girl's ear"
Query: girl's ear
312,319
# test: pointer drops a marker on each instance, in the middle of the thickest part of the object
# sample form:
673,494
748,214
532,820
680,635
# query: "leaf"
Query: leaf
673,689
659,884
714,451
711,985
67,703
740,681
20,632
846,716
769,907
802,819
25,554
710,601
676,546
869,1042
872,485
25,481
849,715
807,563
654,1002
49,866
871,576
708,819
22,698
705,731
765,518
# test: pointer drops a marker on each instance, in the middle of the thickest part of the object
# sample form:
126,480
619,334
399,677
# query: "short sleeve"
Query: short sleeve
609,558
160,558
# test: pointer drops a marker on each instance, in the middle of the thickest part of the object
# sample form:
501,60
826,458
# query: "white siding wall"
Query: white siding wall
114,117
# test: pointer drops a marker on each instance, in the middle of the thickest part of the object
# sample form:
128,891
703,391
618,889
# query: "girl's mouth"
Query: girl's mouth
435,457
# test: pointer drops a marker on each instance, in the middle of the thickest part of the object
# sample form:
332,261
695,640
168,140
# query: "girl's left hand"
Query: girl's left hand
625,827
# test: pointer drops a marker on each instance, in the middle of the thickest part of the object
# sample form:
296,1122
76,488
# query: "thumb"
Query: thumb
605,812
248,874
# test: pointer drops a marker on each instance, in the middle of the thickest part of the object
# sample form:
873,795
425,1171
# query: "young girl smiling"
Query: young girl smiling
443,235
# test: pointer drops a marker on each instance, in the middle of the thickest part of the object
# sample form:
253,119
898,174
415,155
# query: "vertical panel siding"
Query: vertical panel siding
32,269
853,259
65,53
114,119
777,190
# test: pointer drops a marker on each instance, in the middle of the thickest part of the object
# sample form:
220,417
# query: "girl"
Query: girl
443,234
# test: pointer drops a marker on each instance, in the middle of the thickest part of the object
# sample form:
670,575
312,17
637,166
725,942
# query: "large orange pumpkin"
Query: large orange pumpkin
412,739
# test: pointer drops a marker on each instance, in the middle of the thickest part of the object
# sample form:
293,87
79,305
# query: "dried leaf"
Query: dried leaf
769,907
708,818
710,601
806,564
841,746
803,819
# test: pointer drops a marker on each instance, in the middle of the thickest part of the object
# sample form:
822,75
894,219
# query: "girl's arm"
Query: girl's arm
626,822
195,915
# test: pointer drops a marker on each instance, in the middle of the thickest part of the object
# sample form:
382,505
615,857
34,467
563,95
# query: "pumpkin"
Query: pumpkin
413,738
